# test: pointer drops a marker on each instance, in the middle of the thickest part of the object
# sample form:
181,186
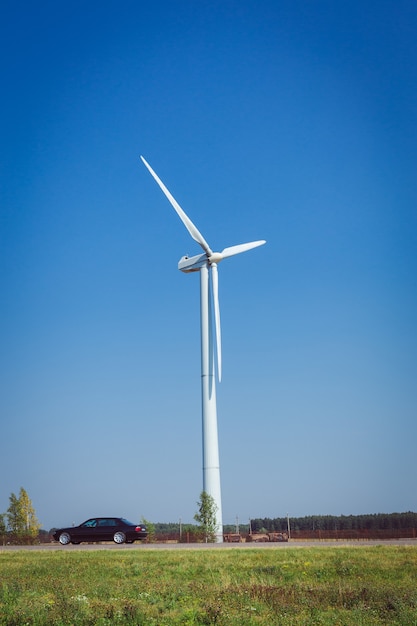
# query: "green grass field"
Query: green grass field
331,586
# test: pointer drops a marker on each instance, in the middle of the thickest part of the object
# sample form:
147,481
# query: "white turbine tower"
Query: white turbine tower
206,264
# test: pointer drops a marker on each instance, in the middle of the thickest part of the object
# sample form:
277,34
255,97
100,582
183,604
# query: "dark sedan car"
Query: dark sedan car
115,529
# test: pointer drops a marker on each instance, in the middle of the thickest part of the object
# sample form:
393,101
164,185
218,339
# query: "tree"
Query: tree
15,520
150,527
206,517
21,517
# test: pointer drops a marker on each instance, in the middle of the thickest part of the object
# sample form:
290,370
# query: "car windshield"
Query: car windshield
127,522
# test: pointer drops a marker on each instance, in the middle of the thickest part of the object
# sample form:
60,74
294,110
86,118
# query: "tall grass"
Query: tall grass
327,586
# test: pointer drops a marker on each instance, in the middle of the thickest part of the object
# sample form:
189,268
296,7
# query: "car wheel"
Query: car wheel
119,537
64,539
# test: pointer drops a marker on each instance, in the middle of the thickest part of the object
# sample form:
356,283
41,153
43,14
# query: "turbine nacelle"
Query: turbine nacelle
194,263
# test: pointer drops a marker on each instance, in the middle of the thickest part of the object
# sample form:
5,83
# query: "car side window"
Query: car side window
91,523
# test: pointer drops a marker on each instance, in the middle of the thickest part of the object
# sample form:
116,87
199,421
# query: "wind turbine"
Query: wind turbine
206,264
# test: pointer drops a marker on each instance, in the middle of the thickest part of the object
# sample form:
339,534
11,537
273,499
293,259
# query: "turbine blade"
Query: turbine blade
242,247
215,286
192,229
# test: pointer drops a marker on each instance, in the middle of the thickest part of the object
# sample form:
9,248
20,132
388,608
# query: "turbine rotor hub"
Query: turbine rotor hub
216,257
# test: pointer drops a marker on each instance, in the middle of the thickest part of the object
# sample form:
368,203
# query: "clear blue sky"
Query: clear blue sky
287,120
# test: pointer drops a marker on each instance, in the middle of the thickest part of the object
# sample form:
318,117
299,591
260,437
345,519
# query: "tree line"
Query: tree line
370,522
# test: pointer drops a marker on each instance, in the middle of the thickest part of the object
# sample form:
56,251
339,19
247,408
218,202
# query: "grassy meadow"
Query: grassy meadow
289,586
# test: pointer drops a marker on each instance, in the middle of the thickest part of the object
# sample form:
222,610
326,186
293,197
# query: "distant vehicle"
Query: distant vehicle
115,529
